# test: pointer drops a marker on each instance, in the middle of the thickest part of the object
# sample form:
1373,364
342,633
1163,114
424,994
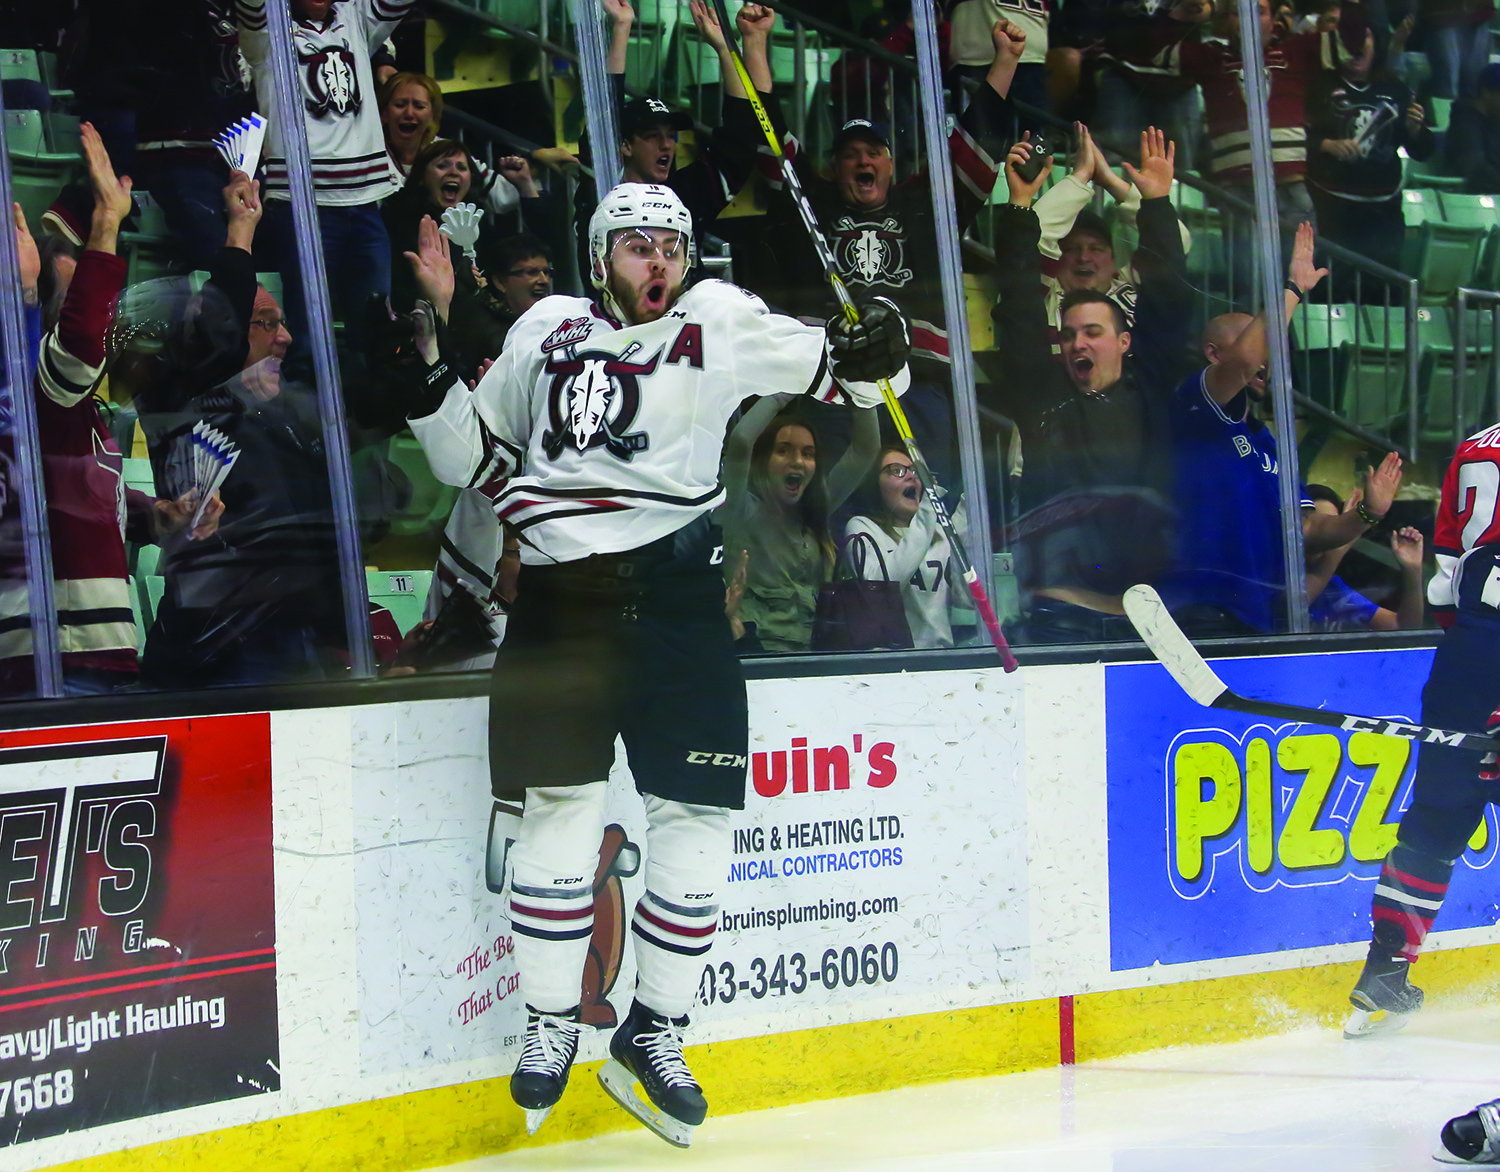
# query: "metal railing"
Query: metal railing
1483,297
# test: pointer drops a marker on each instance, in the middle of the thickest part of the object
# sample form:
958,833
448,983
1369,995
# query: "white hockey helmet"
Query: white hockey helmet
635,205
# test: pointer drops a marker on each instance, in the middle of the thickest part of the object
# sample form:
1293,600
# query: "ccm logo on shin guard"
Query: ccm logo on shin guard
730,760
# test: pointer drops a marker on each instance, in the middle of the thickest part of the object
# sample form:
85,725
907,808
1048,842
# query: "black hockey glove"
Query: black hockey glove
415,354
874,349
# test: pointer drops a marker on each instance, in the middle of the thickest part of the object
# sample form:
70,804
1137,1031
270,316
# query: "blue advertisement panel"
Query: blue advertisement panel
1231,835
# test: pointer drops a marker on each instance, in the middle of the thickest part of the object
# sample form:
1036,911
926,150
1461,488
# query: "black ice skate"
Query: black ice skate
547,1055
648,1047
1473,1138
1384,998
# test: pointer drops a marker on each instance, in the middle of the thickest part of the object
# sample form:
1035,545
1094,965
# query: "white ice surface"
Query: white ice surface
1304,1102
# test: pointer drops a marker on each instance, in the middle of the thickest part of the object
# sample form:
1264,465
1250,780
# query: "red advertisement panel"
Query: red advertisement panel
137,921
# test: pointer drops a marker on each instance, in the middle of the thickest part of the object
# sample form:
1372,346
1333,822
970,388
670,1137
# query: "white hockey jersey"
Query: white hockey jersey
612,435
350,165
920,559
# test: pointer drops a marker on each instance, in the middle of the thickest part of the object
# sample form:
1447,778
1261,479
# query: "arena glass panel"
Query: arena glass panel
1202,455
407,517
192,518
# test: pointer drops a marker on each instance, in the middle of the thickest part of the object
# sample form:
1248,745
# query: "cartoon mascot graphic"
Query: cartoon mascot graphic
619,859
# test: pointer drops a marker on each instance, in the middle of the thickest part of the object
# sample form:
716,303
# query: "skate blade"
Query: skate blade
1366,1023
619,1084
535,1117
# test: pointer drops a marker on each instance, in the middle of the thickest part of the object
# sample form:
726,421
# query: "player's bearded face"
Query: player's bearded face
646,269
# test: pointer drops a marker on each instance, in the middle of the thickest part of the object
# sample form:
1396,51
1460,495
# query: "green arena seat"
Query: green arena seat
1436,387
1447,258
1373,389
402,592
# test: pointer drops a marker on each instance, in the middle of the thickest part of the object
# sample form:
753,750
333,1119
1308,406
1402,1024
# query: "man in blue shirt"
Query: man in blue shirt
1229,578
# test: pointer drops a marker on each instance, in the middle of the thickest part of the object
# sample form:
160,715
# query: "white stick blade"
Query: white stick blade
1160,632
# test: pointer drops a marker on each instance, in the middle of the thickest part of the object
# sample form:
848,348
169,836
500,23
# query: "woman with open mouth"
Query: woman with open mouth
779,503
894,537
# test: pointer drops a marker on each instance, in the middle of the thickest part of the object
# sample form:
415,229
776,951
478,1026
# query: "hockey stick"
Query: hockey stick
851,314
1191,671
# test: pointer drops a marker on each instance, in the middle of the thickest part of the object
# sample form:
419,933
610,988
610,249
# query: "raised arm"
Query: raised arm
1248,352
1367,507
735,475
863,447
622,17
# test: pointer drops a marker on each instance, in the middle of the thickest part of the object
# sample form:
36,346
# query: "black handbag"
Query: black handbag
858,615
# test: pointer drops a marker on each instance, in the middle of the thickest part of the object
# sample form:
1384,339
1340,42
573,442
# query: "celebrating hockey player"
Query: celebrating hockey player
608,417
1462,692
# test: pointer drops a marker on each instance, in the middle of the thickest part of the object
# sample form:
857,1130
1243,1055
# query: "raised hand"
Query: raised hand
755,20
1153,179
432,265
1022,191
1085,158
620,11
1302,272
31,260
706,21
242,204
1382,484
518,172
111,194
1406,544
1009,40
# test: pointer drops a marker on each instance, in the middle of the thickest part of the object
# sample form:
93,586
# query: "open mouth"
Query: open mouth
655,294
1082,368
1085,272
795,482
450,191
911,492
406,127
864,182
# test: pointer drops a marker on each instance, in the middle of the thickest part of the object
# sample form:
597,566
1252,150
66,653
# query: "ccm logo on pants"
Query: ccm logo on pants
732,760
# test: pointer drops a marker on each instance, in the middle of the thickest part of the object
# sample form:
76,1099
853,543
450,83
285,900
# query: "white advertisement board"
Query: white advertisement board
879,868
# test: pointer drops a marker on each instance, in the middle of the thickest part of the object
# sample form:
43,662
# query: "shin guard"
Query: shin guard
1407,899
687,854
552,892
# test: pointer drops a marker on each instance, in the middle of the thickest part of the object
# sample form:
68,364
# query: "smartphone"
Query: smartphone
1041,147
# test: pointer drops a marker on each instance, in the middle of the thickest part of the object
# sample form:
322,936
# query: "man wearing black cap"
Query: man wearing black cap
649,129
882,232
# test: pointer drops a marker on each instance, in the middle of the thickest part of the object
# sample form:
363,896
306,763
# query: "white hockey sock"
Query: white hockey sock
687,852
552,891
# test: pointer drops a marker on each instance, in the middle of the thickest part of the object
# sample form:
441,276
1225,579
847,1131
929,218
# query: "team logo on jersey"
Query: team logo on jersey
1365,123
593,400
572,330
332,82
871,254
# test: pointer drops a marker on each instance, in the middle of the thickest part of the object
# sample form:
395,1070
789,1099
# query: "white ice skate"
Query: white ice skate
647,1048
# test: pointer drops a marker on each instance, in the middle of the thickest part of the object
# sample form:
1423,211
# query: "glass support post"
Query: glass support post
320,330
955,303
598,94
1267,228
46,653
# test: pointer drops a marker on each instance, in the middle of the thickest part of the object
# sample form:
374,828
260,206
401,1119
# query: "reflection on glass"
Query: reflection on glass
1126,435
